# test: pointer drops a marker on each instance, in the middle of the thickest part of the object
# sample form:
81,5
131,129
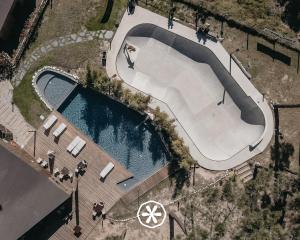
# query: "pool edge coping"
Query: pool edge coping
57,70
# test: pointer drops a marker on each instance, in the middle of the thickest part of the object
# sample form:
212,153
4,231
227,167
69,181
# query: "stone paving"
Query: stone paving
50,45
11,117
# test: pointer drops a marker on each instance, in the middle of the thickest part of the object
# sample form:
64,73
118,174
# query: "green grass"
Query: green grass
26,99
94,23
69,57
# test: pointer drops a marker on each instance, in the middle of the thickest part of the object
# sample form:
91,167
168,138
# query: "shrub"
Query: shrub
138,101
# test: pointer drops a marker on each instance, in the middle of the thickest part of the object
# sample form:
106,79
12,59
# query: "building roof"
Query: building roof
26,196
5,6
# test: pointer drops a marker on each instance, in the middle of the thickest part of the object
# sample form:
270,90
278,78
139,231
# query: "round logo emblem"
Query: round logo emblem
151,214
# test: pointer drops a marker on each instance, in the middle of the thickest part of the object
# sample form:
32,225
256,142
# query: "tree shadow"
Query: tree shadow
108,10
291,14
155,147
122,132
179,176
76,196
100,113
280,151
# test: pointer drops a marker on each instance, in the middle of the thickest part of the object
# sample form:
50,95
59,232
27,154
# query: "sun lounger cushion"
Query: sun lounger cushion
39,160
73,144
78,148
44,164
59,130
106,170
50,122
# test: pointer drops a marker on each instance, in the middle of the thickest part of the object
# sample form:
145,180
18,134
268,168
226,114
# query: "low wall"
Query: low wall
33,22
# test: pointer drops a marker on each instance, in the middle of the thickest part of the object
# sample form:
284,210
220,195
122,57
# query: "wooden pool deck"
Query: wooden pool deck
90,188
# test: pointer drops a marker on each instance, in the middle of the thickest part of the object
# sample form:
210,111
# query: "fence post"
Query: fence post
298,62
247,41
222,28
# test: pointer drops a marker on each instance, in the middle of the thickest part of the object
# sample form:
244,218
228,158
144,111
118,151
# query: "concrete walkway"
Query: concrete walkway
11,117
50,45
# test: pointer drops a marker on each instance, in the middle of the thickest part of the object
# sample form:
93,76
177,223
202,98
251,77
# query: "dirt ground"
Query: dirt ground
281,85
290,129
162,193
64,17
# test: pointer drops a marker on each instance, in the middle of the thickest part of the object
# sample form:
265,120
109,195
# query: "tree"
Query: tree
6,67
220,229
227,191
116,88
291,14
89,77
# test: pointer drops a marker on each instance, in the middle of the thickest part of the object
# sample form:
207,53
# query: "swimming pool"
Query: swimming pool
120,131
54,87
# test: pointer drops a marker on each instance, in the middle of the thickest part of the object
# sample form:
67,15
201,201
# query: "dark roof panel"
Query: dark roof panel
26,196
5,6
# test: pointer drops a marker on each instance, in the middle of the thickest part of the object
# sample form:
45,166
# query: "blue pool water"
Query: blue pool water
118,130
54,87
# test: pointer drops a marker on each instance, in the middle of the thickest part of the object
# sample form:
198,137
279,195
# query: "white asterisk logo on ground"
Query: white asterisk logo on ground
151,214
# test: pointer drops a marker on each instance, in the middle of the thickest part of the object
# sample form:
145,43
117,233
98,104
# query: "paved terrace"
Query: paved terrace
11,117
185,87
90,188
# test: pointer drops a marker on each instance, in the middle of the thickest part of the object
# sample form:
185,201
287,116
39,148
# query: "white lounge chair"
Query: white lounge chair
50,153
39,160
44,164
70,175
78,147
73,144
61,177
58,131
56,172
106,170
50,122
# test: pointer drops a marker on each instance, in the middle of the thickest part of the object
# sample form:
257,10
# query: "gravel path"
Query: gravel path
50,45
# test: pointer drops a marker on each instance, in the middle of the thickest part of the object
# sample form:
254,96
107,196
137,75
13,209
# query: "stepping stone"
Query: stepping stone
55,43
79,39
73,36
43,50
108,34
49,48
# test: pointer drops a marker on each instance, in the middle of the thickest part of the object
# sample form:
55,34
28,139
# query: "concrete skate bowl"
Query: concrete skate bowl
215,112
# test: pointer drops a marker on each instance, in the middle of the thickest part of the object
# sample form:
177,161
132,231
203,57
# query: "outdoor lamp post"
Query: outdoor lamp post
231,58
34,141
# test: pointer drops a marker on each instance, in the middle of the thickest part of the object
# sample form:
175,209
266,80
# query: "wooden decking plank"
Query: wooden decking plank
91,189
